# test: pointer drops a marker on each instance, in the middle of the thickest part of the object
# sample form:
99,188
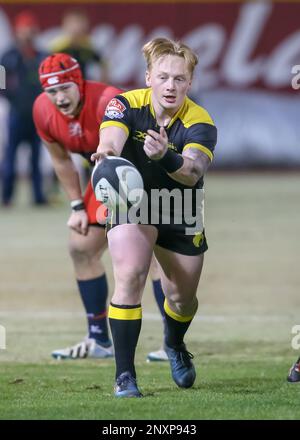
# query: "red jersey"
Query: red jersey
81,133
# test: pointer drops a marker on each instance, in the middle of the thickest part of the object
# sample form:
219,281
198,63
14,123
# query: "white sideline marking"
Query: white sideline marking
2,338
146,316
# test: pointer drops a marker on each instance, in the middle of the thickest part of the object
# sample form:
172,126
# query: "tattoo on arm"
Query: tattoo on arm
199,161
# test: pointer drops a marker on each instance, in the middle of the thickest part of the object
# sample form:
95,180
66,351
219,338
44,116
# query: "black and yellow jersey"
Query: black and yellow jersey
191,127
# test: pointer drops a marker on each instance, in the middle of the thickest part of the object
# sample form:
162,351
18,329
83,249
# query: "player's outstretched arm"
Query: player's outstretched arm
112,141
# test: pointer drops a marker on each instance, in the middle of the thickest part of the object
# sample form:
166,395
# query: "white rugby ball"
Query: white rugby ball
117,183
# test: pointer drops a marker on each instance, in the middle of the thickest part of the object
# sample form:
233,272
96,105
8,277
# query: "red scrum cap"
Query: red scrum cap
26,19
60,68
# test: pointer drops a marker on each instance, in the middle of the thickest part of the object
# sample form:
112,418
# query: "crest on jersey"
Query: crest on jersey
115,109
75,129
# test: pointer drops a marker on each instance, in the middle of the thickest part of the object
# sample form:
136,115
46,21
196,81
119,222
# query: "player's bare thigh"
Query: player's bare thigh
131,248
180,275
86,252
94,242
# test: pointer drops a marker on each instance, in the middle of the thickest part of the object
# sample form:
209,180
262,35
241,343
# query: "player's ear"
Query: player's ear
147,78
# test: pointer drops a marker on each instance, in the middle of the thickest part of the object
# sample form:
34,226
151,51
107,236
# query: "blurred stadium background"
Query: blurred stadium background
249,296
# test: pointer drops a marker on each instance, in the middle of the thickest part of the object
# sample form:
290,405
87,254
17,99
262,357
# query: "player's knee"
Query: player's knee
80,251
174,295
183,304
131,280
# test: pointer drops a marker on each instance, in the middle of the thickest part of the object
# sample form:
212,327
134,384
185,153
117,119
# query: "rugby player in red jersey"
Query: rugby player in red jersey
67,116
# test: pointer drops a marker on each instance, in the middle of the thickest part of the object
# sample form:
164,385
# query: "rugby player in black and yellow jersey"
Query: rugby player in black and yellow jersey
171,140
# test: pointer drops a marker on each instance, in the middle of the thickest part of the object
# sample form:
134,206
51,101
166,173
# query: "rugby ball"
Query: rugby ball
117,183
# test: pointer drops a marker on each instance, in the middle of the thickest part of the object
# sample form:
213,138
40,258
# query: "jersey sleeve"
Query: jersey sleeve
118,114
106,96
40,121
203,137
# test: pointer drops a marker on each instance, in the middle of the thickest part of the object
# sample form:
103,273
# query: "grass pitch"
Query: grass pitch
241,338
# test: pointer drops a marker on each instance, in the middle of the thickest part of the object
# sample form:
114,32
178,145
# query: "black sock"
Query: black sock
160,299
94,295
125,324
159,296
176,327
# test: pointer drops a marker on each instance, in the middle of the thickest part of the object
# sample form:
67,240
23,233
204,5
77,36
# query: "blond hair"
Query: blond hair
159,47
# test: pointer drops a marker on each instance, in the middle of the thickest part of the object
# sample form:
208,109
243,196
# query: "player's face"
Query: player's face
65,97
170,81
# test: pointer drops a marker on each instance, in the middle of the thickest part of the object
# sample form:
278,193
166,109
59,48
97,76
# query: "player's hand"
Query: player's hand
78,221
101,154
156,144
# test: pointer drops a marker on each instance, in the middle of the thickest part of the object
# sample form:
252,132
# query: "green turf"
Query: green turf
248,303
225,389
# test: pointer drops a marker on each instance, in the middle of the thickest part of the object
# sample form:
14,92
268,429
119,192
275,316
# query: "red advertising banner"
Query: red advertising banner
240,45
248,76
